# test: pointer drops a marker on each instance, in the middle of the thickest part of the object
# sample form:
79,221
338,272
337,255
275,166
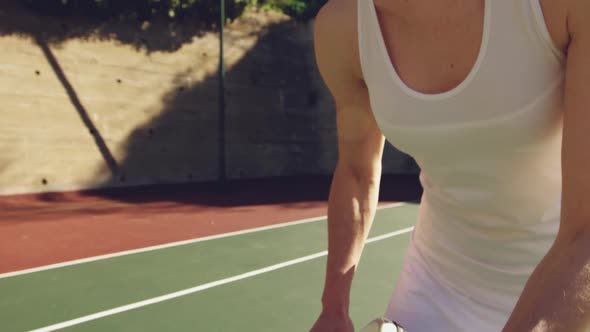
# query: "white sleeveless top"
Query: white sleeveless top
489,151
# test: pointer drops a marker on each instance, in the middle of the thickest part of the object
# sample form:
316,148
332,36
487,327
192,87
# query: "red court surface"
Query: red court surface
43,229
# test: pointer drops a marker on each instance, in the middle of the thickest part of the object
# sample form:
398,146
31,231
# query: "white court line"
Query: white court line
196,289
169,245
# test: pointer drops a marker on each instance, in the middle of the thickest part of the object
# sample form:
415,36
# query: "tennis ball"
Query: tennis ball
383,325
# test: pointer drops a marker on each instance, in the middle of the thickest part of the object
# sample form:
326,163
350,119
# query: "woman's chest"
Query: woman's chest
433,53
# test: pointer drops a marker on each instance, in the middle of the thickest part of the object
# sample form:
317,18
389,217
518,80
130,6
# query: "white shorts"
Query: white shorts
421,303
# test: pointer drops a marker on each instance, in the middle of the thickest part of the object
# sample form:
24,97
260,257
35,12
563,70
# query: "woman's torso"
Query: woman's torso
486,132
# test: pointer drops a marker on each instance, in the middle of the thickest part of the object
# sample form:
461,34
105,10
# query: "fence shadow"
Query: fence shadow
250,192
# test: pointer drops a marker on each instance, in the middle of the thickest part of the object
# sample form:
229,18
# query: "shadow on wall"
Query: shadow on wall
276,122
279,120
50,32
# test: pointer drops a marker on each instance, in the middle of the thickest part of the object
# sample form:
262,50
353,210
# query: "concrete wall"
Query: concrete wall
88,105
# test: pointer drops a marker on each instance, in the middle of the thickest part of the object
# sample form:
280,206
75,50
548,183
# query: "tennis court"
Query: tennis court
258,279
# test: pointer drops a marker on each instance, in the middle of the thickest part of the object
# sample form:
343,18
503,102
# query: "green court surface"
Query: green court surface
266,280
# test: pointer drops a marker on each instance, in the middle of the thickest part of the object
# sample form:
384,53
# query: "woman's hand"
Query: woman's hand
333,323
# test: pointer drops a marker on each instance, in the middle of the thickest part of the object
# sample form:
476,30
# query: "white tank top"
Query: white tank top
489,150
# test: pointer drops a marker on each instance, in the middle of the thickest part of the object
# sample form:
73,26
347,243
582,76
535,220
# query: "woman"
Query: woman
491,99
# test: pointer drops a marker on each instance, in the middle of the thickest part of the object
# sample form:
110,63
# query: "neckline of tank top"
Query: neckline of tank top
445,94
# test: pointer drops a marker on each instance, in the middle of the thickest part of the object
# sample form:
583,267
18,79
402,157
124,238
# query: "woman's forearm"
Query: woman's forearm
557,295
352,205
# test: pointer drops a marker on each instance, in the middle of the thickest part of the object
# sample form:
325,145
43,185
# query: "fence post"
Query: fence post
221,111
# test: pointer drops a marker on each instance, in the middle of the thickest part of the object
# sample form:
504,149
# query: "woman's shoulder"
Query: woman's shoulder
336,30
